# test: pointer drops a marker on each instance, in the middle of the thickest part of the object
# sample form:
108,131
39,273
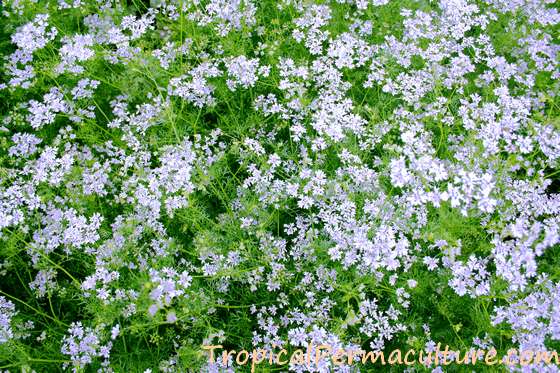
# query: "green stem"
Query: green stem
33,308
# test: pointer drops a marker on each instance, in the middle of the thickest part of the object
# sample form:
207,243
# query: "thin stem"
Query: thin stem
33,308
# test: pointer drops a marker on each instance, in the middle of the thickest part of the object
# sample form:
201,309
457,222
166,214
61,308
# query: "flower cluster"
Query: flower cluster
83,345
7,312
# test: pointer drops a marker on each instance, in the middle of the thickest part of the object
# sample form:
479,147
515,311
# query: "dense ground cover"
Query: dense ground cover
375,174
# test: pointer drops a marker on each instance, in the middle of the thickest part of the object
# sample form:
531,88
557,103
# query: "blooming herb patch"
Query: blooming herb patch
277,174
